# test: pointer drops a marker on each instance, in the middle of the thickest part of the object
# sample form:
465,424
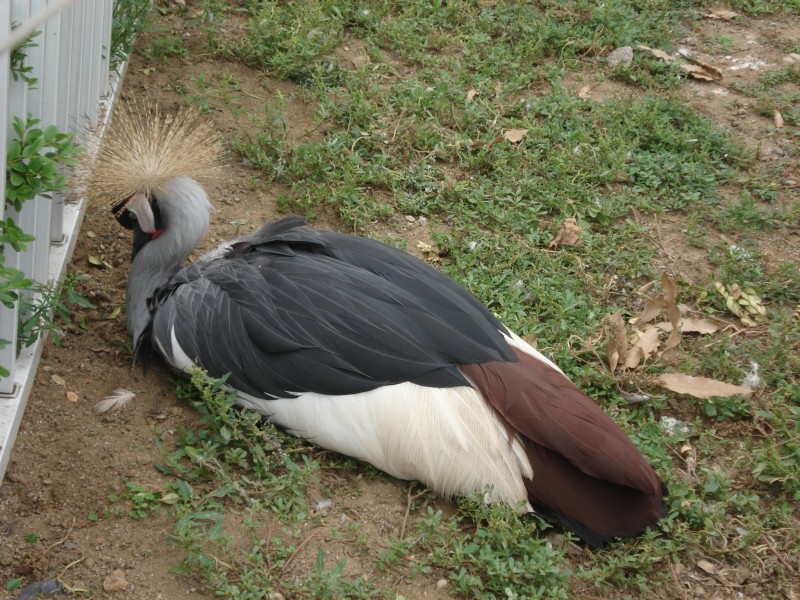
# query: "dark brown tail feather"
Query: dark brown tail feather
586,472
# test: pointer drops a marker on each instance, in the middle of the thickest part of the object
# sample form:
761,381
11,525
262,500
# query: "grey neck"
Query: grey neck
184,210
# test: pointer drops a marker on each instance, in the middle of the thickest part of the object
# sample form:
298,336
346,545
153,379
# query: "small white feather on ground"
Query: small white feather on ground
119,399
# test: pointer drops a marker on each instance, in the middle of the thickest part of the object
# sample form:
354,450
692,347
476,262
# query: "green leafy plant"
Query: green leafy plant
33,159
12,280
165,46
19,70
143,500
129,18
50,308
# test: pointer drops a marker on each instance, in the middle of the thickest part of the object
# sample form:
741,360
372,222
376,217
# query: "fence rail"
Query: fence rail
71,64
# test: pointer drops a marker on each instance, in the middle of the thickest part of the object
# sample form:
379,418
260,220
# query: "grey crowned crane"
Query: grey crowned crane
361,348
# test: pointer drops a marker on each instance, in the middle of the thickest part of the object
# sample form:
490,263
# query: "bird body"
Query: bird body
370,352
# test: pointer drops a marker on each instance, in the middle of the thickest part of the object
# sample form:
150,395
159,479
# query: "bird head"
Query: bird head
142,216
139,155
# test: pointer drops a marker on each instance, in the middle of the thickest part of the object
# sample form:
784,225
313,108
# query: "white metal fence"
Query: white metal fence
71,63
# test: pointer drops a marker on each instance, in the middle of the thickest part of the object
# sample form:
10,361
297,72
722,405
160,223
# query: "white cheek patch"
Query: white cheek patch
140,206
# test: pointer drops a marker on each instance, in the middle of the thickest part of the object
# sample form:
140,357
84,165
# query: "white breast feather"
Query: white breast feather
450,439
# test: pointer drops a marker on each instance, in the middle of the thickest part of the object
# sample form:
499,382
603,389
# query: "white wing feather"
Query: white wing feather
116,401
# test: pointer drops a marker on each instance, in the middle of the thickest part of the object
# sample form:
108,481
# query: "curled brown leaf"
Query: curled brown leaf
568,235
617,345
645,347
515,136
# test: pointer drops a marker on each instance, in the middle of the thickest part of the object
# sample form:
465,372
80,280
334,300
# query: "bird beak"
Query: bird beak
139,205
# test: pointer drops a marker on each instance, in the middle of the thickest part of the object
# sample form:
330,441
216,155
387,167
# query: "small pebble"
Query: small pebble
635,397
621,56
442,584
115,582
57,379
411,219
72,396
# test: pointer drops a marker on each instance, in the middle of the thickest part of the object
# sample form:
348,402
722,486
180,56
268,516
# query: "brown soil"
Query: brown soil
68,460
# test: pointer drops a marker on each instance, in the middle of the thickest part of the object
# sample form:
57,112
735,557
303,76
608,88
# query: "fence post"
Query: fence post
71,65
8,316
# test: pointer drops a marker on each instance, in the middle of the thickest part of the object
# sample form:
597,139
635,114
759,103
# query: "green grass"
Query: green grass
400,138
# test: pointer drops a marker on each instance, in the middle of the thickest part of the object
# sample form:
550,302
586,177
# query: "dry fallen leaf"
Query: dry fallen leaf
695,68
99,262
57,379
515,136
568,235
670,287
778,119
471,95
429,251
697,72
666,301
692,325
643,348
651,310
617,346
585,92
665,56
690,457
707,566
701,326
716,72
707,70
700,387
721,14
488,144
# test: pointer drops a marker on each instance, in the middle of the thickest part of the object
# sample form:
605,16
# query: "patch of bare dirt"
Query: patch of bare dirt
743,50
